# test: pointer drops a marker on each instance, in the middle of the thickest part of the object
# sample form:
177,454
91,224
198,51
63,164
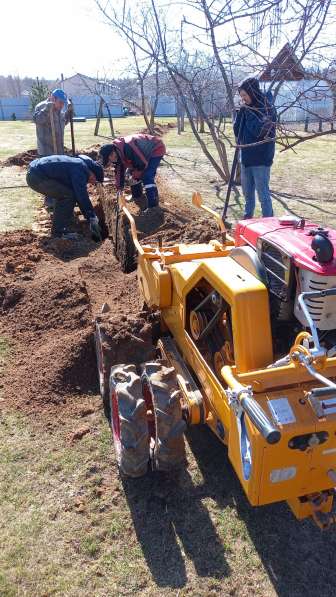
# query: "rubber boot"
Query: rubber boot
152,196
136,190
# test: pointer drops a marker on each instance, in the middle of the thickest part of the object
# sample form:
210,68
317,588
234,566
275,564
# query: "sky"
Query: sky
46,38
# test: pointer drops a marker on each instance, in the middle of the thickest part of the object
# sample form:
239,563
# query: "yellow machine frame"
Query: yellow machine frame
305,478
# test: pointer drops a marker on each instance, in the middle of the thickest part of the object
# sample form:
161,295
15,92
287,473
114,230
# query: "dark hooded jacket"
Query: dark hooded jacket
72,172
255,123
134,152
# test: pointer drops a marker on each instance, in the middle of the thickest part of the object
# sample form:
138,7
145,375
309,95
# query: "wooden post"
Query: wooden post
99,115
178,114
53,132
320,125
306,124
110,119
72,127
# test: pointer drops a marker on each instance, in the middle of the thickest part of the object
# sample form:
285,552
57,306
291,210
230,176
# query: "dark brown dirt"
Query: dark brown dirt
160,129
21,159
24,158
50,294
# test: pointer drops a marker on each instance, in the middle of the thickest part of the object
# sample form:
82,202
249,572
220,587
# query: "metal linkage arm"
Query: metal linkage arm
318,350
243,396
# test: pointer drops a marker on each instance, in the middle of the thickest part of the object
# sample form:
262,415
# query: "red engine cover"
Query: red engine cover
294,241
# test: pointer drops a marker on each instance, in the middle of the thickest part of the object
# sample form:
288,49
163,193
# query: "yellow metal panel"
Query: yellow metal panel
155,283
311,470
181,274
308,468
304,509
249,303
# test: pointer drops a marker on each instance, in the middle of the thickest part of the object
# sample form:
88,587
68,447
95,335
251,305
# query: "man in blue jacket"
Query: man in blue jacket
254,129
65,179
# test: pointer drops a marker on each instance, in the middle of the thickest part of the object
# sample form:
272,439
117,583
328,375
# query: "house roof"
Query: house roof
78,75
284,67
87,78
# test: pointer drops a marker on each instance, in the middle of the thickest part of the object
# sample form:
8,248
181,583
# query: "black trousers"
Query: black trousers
63,196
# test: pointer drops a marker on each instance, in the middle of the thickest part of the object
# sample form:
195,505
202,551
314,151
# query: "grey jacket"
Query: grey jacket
41,117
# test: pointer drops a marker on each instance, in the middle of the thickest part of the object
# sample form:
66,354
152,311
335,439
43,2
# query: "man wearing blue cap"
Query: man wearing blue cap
50,121
65,179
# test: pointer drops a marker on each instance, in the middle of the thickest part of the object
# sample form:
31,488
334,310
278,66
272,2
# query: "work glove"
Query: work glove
95,228
128,174
129,179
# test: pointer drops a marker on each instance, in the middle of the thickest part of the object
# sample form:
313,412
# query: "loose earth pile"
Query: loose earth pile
51,292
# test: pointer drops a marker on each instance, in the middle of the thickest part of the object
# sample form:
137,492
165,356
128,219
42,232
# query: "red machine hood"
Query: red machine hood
294,241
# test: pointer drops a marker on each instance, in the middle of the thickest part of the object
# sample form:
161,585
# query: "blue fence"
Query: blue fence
85,105
166,106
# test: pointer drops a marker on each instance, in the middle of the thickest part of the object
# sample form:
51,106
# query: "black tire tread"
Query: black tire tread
169,449
133,456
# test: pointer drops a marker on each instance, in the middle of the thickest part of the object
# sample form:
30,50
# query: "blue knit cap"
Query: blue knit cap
60,95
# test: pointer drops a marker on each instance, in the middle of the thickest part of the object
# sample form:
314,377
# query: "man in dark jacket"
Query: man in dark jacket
139,154
254,129
65,179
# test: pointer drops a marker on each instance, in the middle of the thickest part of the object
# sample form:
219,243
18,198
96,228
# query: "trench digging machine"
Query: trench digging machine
247,347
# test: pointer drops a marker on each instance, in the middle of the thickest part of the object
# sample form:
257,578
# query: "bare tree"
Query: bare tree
218,40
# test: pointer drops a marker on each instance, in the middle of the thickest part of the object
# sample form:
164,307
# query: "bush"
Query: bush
38,93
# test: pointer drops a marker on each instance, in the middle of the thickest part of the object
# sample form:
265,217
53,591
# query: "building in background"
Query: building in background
299,94
84,91
79,84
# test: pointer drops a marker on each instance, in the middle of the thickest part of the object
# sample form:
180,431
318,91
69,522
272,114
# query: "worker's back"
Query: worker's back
59,167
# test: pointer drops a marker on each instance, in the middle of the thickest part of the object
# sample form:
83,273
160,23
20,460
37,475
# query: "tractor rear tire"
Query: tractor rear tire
129,421
103,372
159,387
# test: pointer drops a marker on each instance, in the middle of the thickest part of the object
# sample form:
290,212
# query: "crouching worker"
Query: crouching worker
140,155
65,179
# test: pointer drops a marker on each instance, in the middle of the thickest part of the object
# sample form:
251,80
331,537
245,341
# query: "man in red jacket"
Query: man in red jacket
141,155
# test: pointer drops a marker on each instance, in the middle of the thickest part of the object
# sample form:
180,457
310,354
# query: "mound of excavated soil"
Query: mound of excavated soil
52,291
47,306
24,158
21,159
160,129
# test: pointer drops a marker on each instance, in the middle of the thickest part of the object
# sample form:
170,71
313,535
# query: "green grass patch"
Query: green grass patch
18,206
19,136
